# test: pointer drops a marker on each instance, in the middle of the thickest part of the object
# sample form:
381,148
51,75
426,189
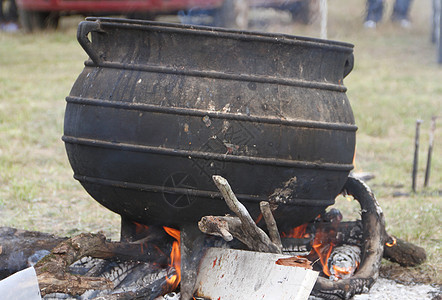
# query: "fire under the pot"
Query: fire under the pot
327,243
153,261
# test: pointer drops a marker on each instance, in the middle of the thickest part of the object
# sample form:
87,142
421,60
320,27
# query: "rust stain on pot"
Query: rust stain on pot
207,121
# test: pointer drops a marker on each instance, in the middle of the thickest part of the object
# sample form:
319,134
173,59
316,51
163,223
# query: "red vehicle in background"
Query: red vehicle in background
41,14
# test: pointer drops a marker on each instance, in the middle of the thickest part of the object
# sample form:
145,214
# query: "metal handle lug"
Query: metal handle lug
84,28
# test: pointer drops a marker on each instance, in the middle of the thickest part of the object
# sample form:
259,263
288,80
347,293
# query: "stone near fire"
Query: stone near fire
238,274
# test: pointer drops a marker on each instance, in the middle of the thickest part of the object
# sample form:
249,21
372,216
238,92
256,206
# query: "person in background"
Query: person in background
8,16
375,9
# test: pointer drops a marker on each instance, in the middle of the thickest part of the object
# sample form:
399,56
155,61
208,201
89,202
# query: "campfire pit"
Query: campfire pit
142,272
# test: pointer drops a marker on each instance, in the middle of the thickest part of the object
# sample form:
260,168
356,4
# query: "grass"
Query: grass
394,82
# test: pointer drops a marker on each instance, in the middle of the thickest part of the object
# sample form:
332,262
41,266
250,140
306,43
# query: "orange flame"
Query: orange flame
323,244
259,218
140,228
392,243
175,257
343,271
323,250
296,233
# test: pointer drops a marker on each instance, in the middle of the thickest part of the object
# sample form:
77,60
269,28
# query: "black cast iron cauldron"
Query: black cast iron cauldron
159,108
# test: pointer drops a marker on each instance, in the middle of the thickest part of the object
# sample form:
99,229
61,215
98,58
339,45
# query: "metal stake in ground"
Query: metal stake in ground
430,150
416,155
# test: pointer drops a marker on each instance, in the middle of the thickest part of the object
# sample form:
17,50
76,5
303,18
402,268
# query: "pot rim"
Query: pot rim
221,32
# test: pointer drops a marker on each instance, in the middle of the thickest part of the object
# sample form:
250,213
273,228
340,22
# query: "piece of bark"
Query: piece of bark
256,238
52,270
295,261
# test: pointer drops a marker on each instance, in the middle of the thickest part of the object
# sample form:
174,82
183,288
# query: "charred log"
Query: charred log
53,270
372,248
343,261
404,253
19,246
192,244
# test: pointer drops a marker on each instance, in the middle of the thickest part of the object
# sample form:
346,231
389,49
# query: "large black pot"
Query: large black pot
160,108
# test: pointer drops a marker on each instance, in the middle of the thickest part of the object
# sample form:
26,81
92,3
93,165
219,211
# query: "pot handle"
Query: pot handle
349,63
84,28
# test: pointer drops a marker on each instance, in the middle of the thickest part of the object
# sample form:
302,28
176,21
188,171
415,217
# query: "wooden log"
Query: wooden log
17,246
220,226
396,250
343,261
404,253
52,270
192,247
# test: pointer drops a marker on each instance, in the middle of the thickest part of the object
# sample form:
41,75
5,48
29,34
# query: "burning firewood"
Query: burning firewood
343,261
367,239
404,253
372,248
367,234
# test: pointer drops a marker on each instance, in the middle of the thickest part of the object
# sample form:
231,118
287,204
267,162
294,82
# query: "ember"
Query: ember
297,232
391,243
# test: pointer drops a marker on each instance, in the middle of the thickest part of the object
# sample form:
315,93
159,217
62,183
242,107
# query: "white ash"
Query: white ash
386,289
345,257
